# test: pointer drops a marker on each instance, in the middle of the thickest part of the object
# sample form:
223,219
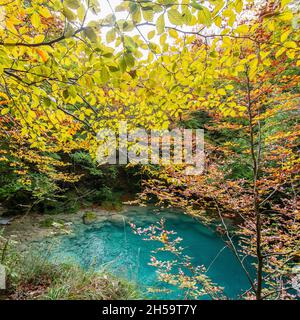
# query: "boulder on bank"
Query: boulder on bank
89,217
5,221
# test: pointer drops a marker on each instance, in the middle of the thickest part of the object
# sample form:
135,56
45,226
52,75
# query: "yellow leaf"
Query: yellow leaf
173,33
271,25
163,39
280,52
290,44
267,62
285,35
45,12
10,26
291,54
4,111
264,54
165,125
232,113
222,92
151,34
242,29
39,38
3,95
218,21
238,5
31,114
285,2
35,20
286,16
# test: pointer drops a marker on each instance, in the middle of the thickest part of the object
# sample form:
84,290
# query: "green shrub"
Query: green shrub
112,205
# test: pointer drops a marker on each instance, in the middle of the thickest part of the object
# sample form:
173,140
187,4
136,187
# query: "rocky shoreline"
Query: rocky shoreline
35,227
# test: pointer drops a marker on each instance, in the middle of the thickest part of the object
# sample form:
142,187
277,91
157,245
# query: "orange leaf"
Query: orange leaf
42,54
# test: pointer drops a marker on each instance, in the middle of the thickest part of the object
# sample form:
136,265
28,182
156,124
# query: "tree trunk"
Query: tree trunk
255,165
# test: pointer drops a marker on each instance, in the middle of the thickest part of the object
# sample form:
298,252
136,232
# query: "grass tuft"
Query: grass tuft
31,276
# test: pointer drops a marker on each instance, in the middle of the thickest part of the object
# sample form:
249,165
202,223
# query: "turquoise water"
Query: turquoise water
112,245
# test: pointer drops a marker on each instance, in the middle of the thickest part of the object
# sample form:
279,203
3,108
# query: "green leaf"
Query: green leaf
121,7
73,4
66,94
128,26
113,68
148,14
136,12
160,24
81,13
129,59
187,17
129,43
47,101
69,31
91,34
175,17
123,64
105,76
111,35
154,47
196,5
110,19
204,16
69,14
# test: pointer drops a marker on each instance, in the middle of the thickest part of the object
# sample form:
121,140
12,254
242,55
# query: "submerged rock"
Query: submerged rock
117,219
89,217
